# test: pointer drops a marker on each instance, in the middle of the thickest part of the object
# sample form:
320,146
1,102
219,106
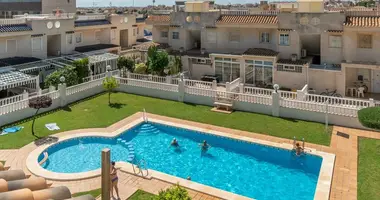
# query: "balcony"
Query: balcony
12,21
333,67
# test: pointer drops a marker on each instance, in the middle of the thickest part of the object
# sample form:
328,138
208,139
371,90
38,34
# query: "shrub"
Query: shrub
71,77
174,193
81,68
140,68
370,117
157,60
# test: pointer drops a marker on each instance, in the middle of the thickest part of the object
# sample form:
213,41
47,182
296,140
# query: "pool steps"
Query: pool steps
129,145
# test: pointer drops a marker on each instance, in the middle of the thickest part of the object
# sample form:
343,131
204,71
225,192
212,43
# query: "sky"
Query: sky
89,3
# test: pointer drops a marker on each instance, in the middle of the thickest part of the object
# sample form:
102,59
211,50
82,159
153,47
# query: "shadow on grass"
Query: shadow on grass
190,104
117,105
67,109
290,119
45,140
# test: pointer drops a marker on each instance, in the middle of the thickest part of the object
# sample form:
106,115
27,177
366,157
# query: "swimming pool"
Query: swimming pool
249,169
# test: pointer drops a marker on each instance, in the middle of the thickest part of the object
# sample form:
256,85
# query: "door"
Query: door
376,81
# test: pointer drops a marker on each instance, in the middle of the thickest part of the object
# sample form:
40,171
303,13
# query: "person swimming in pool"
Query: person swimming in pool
114,180
204,145
299,149
174,143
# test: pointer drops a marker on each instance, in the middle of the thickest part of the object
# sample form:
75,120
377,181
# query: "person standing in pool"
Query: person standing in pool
298,149
174,143
204,146
114,180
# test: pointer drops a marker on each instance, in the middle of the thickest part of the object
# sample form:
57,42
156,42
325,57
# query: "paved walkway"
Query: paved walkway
344,183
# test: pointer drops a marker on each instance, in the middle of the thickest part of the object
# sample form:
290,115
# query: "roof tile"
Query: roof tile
361,21
260,52
158,19
247,19
14,28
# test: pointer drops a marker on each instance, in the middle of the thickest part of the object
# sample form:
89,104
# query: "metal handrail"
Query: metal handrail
140,165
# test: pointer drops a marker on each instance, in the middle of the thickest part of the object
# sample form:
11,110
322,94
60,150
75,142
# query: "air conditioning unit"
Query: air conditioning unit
303,53
202,61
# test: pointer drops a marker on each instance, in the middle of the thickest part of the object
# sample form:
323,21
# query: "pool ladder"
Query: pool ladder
140,165
145,118
295,141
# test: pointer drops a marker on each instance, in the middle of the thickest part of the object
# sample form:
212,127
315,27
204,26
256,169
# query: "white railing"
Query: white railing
258,91
319,107
175,81
12,21
198,84
15,106
266,100
52,95
200,91
345,102
288,94
83,86
158,79
90,17
10,100
46,16
115,73
233,86
150,84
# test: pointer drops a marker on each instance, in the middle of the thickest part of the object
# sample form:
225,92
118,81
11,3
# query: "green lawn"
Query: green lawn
96,112
369,169
141,195
94,193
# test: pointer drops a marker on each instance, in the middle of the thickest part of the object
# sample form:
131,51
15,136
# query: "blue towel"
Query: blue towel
13,129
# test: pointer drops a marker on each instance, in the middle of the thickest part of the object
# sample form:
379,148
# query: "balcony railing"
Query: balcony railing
161,12
90,17
46,16
250,12
12,21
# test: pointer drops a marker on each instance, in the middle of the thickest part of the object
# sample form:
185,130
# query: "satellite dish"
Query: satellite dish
125,19
57,24
49,25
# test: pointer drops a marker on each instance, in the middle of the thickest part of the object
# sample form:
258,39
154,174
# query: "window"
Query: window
289,68
284,39
78,37
227,69
364,41
69,38
234,37
258,72
113,34
211,36
264,38
175,35
11,46
134,32
335,41
138,30
164,34
37,44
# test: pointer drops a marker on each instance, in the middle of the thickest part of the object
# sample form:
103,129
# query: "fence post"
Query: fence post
62,94
25,95
106,177
275,104
181,90
228,87
214,85
168,79
128,74
241,88
300,95
109,72
371,102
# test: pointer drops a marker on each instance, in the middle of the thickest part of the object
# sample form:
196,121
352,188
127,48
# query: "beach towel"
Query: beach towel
52,126
13,129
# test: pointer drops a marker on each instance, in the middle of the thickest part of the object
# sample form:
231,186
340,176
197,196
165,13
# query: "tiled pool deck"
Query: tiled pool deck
344,183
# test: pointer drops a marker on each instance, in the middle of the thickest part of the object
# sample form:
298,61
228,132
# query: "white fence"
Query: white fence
12,21
198,84
84,86
344,102
158,79
149,84
10,100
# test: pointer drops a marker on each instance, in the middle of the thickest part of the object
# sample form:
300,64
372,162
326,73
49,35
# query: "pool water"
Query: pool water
248,169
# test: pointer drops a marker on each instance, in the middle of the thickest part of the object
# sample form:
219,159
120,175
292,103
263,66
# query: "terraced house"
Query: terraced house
304,45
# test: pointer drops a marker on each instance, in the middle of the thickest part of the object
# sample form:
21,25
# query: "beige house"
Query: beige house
326,50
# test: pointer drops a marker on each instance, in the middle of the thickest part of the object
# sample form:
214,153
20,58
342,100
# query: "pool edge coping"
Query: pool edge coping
322,190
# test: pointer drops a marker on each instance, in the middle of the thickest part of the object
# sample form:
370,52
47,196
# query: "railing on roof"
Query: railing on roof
364,13
12,21
90,17
46,16
249,12
161,12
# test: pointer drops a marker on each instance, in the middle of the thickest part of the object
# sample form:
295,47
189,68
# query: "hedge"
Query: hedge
370,117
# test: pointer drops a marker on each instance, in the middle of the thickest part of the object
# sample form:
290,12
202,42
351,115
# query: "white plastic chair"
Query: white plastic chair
360,92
